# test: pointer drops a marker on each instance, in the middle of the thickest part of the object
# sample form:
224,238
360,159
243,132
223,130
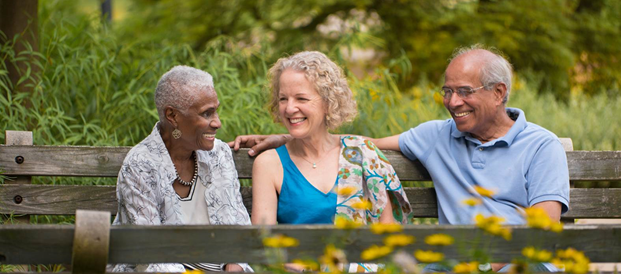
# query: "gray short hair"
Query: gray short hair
179,87
496,69
327,78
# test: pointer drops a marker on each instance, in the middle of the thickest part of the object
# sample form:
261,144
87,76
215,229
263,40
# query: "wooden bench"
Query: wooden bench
54,244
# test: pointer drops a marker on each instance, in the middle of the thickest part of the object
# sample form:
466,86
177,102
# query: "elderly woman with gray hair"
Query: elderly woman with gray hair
181,174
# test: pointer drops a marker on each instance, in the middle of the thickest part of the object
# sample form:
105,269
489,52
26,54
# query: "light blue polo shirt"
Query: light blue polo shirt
526,166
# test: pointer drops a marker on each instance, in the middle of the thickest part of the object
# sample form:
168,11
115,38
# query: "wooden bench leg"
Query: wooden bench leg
91,242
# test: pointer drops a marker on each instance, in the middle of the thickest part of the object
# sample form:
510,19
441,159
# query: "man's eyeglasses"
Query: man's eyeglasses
462,92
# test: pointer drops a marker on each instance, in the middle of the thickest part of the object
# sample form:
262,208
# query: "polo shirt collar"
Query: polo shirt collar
518,126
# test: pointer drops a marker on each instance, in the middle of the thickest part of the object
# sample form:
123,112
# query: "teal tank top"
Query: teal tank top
299,201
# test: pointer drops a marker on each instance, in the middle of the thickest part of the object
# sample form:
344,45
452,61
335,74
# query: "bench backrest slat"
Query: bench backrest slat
23,244
80,161
59,200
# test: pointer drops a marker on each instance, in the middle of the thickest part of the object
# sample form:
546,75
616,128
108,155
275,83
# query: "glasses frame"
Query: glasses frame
461,92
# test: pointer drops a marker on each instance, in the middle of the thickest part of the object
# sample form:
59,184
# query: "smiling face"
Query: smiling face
301,109
478,113
200,121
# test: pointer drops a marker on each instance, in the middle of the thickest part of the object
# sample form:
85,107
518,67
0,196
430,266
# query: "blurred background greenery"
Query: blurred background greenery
91,81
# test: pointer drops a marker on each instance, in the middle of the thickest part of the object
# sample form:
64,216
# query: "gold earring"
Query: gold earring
176,133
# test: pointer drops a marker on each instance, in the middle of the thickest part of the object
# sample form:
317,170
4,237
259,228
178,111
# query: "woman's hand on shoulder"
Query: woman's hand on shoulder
259,143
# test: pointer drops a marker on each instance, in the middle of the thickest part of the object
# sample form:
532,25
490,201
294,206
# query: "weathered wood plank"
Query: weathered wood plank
65,200
79,161
56,200
41,244
594,165
82,161
22,244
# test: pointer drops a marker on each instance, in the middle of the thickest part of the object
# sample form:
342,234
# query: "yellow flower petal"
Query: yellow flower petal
280,241
484,191
307,264
398,240
379,228
539,218
342,222
362,205
439,239
462,268
332,256
346,191
543,256
556,227
375,252
428,256
472,201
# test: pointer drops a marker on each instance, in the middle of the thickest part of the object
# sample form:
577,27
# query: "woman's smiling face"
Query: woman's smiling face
300,107
200,122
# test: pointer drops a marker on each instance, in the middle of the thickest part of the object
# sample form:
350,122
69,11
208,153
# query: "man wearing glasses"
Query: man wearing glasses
485,144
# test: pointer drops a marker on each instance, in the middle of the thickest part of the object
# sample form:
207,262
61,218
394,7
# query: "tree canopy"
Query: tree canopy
561,43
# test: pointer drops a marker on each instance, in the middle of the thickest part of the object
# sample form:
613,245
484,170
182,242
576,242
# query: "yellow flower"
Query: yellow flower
342,222
492,226
439,239
375,252
428,256
472,201
543,256
332,256
346,191
556,227
398,240
279,241
537,255
363,204
484,191
379,228
529,252
462,268
538,218
307,264
572,260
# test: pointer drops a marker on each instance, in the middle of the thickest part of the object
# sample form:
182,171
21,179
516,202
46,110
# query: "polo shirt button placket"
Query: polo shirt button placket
478,161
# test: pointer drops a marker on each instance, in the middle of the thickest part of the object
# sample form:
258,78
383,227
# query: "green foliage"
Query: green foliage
96,90
571,42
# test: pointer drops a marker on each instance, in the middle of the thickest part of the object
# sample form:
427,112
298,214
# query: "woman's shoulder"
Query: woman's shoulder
145,152
267,158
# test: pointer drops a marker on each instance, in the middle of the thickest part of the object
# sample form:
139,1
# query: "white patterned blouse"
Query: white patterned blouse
146,196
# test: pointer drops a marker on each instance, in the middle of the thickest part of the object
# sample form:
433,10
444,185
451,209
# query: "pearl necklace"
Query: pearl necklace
181,181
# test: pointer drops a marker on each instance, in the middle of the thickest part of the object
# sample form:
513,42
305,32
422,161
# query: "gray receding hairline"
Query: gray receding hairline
495,70
179,88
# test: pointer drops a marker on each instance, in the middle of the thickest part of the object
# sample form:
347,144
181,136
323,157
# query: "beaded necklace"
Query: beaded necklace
181,181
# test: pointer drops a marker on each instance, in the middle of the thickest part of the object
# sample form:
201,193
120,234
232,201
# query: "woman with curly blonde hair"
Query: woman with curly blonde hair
317,177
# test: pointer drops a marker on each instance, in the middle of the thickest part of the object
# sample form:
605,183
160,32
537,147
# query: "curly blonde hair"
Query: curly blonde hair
327,78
